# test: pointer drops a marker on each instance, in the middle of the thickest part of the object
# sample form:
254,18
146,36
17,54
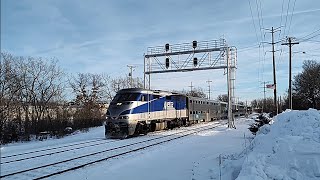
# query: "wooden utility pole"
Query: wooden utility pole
290,44
272,31
274,74
264,95
191,89
130,74
209,87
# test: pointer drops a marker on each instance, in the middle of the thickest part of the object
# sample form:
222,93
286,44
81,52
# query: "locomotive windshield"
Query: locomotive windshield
126,97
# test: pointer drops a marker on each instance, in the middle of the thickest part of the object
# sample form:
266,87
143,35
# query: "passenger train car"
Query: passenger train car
137,111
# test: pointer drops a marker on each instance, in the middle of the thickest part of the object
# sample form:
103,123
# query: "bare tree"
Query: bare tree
113,85
88,90
27,87
9,88
223,97
265,105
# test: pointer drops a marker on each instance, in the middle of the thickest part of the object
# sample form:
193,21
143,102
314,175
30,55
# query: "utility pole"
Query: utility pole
191,88
264,95
130,74
290,44
209,81
272,31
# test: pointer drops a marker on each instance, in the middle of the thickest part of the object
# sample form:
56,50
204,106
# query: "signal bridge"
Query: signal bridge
202,55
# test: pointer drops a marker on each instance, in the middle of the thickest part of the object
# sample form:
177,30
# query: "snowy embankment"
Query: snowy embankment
288,149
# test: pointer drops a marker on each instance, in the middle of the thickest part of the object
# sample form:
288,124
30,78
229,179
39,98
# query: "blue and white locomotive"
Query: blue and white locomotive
137,111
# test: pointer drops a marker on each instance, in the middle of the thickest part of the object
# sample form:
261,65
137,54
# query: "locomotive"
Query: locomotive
136,111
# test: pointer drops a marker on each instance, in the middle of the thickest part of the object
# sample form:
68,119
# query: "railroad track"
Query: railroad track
74,163
52,148
58,150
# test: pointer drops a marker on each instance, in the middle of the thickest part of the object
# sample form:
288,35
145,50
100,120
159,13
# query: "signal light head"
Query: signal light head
167,47
194,44
167,63
195,62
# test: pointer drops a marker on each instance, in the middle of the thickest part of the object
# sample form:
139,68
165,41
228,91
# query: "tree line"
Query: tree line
33,98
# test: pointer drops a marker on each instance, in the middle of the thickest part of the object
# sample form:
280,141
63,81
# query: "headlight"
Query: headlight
124,117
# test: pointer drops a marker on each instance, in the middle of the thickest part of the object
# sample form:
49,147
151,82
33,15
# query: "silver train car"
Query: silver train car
137,111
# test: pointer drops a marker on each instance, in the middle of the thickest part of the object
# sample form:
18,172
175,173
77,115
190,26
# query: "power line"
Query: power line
280,30
247,48
294,4
310,38
255,29
285,24
309,34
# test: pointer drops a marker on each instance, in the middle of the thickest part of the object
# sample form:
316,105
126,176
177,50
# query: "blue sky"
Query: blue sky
100,36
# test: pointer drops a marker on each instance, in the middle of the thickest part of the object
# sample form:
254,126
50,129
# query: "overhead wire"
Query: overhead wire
285,24
305,38
279,37
255,29
294,4
254,25
260,18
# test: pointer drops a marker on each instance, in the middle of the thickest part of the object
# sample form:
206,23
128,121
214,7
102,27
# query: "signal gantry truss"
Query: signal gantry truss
202,55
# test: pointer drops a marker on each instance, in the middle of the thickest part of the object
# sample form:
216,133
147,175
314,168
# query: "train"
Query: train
135,111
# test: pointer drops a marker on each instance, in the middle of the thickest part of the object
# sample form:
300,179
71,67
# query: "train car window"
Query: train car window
190,112
126,97
190,101
168,97
144,97
156,96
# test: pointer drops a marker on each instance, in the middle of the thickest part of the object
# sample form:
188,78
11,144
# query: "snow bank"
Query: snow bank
288,149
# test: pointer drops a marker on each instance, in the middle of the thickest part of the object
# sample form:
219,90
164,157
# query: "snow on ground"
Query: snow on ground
180,159
287,149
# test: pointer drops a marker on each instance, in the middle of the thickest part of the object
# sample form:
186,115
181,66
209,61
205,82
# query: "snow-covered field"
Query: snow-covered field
287,149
